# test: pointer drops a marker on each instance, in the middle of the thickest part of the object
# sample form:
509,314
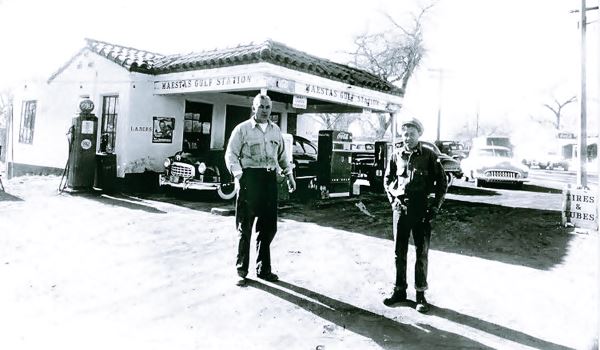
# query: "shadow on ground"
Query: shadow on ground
7,197
472,191
387,333
520,236
497,330
120,200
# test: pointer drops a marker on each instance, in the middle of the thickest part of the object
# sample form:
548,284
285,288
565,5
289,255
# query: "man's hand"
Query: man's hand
396,204
432,213
236,183
291,183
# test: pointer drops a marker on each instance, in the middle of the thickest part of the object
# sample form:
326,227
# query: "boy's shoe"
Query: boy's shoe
397,297
422,305
269,276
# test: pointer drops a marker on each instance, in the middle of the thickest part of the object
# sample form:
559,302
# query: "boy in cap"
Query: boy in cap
412,173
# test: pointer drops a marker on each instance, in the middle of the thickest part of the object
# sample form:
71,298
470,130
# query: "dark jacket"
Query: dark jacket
415,175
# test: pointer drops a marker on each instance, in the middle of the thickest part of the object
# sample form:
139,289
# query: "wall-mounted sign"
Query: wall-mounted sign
299,102
140,128
215,83
580,208
346,96
163,129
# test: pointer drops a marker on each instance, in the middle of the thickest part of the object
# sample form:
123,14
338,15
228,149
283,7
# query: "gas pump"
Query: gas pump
82,148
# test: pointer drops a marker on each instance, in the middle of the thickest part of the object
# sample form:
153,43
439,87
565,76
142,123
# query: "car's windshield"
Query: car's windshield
493,152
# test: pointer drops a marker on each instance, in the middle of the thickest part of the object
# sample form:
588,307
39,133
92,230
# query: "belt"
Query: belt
268,170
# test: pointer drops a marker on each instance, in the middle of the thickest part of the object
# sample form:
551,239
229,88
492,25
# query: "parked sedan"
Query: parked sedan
494,164
304,155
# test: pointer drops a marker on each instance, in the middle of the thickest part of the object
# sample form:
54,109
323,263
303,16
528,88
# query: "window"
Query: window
27,121
108,131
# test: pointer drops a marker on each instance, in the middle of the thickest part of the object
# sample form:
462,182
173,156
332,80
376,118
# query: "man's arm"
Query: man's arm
390,176
440,185
233,152
286,164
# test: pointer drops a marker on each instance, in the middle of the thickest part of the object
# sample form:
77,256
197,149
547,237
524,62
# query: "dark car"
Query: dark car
454,149
304,155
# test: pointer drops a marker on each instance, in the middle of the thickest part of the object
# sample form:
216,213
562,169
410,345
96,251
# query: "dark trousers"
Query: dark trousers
411,219
256,201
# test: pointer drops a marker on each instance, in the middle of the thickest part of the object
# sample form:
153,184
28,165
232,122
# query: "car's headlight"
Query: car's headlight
167,163
201,168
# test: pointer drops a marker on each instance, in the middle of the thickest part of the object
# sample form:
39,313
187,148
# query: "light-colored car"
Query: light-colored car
496,164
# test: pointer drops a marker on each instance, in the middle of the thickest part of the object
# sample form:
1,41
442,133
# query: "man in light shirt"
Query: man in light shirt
254,155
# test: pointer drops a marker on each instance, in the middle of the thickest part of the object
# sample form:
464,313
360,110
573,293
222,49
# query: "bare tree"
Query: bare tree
6,101
379,123
335,121
556,107
392,55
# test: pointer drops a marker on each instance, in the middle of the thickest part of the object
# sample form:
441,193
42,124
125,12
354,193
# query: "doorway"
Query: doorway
197,127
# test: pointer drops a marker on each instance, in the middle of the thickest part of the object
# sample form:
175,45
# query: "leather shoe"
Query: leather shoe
422,305
397,297
269,276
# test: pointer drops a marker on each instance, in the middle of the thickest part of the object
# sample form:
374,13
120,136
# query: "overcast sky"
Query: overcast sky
504,58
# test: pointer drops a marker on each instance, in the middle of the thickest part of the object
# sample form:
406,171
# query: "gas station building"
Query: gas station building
151,105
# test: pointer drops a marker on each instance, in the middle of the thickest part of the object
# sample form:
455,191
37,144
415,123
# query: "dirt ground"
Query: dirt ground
156,271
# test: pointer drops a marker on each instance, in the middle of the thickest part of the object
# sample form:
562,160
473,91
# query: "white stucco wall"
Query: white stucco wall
57,104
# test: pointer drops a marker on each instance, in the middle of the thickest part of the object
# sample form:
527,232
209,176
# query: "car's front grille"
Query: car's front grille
182,169
503,174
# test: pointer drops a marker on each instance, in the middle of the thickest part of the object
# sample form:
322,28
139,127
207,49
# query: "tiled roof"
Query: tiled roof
130,58
268,51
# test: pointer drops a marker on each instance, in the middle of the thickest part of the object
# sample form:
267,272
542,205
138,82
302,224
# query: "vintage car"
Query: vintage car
362,159
494,164
383,149
550,161
454,149
207,170
304,155
199,172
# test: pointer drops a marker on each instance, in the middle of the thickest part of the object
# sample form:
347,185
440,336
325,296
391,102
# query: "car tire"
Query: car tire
542,166
227,191
479,182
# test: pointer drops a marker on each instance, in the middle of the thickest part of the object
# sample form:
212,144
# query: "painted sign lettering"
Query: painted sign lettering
338,95
580,208
199,84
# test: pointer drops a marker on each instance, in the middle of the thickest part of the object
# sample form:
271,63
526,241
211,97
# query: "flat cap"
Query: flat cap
414,122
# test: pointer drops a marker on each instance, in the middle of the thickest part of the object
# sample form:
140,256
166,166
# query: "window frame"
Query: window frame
109,116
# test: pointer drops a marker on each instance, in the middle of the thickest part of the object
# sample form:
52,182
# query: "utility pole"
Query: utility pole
440,72
477,120
582,144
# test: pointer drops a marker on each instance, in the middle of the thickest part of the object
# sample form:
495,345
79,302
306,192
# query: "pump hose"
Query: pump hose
62,185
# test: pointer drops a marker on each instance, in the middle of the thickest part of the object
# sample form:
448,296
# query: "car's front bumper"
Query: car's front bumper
193,184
